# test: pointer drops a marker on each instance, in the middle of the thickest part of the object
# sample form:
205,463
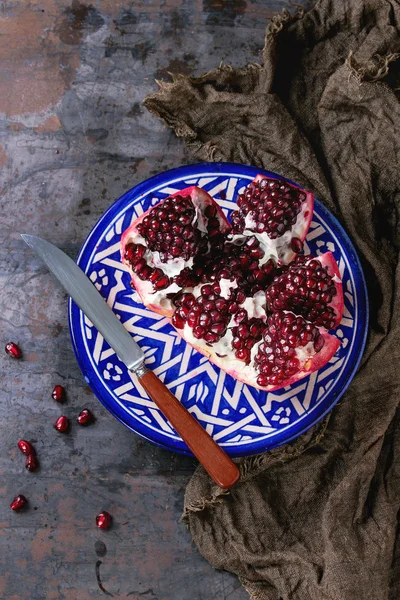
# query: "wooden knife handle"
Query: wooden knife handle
218,464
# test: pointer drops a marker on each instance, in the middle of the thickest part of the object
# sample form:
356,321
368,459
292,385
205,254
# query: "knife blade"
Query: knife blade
216,462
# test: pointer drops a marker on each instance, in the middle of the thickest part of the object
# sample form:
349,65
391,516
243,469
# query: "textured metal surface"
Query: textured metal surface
73,138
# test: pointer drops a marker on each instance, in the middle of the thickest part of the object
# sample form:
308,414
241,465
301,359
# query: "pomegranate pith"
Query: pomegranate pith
13,350
103,520
18,502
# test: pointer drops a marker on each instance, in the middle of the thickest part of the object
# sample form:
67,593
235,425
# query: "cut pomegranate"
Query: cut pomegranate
18,502
62,424
277,213
291,348
103,520
249,300
310,287
85,417
13,350
32,462
161,247
58,393
26,447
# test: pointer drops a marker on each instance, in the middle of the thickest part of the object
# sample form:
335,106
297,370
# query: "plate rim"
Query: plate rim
193,170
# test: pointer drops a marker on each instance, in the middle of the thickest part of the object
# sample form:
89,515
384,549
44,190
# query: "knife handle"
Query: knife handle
218,464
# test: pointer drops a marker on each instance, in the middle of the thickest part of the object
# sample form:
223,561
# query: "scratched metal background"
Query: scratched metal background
73,138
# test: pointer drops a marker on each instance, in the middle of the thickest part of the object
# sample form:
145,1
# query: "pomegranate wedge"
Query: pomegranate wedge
277,213
163,247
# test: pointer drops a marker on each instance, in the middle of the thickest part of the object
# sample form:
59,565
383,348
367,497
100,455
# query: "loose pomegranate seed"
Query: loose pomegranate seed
26,447
13,350
103,520
18,502
61,424
58,393
32,462
85,417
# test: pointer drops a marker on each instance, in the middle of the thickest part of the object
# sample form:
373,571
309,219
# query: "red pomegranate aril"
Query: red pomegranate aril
243,354
240,315
237,343
13,350
85,417
25,447
233,308
58,393
178,321
18,502
198,332
32,462
161,283
243,330
296,245
62,424
103,520
218,328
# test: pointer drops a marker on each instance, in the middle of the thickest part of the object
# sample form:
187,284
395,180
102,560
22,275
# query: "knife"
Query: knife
215,461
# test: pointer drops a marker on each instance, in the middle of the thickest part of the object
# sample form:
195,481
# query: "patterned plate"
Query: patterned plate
241,419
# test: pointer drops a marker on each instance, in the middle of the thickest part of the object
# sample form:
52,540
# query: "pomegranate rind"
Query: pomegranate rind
159,303
337,303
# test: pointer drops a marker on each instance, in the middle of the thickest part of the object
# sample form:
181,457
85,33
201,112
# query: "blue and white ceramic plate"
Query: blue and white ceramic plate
241,419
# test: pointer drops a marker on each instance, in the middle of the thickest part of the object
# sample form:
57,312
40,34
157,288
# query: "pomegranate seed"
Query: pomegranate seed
18,502
296,245
61,424
103,520
85,417
13,350
32,462
25,447
178,321
58,393
161,283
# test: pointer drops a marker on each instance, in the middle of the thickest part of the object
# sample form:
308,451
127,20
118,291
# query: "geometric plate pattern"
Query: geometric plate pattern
240,418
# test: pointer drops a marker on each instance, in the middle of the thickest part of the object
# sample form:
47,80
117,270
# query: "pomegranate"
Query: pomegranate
18,502
13,350
62,424
32,462
265,346
253,304
277,213
164,245
311,287
103,520
58,393
85,417
26,447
